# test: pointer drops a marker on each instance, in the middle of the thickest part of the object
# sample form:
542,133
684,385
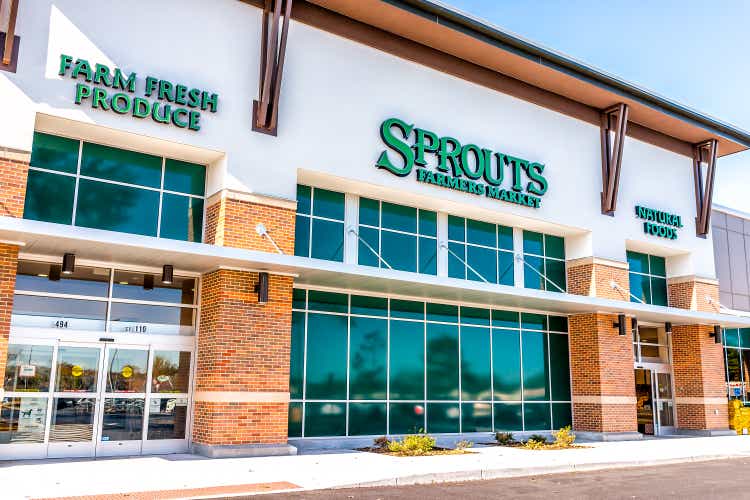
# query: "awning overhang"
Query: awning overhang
46,239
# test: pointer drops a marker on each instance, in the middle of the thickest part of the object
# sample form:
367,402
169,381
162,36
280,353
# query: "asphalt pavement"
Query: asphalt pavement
715,479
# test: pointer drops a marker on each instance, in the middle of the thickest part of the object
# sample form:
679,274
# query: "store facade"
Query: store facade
402,234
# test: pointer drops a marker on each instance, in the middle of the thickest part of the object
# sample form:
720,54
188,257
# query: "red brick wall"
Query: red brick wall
8,266
594,280
231,223
13,174
602,375
691,294
243,347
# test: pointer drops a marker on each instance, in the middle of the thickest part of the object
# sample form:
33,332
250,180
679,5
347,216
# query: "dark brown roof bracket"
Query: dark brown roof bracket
704,152
614,123
9,42
273,50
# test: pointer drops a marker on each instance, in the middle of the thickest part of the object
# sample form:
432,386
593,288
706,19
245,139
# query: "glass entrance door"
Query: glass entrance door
663,402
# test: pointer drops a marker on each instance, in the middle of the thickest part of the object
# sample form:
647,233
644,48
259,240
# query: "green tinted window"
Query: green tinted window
49,197
554,247
544,262
328,204
561,415
369,306
533,243
442,361
443,418
184,177
446,313
427,223
304,199
369,212
427,255
744,337
659,291
297,359
407,418
535,366
299,298
505,319
533,270
399,250
640,286
483,261
369,243
476,417
481,233
456,228
558,324
327,301
327,240
367,358
325,419
326,357
647,278
367,419
407,360
476,251
508,417
117,208
657,266
181,218
506,364
476,371
456,253
530,321
295,419
55,153
731,337
121,165
505,270
559,367
537,416
475,316
407,309
302,236
398,217
638,262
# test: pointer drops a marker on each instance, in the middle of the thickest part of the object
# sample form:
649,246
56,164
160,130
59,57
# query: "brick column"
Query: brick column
698,362
604,403
593,277
242,377
8,267
14,170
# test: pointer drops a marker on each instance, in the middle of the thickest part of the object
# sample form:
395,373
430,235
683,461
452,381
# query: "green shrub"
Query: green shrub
533,444
564,438
412,445
504,438
538,438
464,444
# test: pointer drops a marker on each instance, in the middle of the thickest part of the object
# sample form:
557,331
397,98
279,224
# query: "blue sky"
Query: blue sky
689,51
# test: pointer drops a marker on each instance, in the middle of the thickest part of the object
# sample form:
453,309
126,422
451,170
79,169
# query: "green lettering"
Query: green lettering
453,182
420,146
83,91
165,116
141,107
82,66
194,98
194,120
517,164
101,75
121,103
120,82
151,85
179,97
65,62
398,145
538,184
446,155
100,99
176,120
476,151
211,101
165,90
499,166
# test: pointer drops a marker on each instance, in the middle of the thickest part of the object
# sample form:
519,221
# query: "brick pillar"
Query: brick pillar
604,404
14,170
593,277
698,362
8,267
242,377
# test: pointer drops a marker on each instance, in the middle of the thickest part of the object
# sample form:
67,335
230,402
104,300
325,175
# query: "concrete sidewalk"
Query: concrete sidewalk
220,477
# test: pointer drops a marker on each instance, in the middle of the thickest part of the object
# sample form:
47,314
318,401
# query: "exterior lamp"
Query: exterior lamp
54,272
69,263
167,274
262,288
668,327
148,281
620,325
716,334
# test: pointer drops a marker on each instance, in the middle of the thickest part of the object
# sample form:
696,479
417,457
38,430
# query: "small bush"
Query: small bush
464,444
533,444
380,443
564,438
504,438
538,438
412,445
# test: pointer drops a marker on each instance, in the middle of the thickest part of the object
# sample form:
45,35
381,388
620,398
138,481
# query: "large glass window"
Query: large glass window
102,299
544,257
480,251
319,226
91,185
397,236
737,363
365,365
648,278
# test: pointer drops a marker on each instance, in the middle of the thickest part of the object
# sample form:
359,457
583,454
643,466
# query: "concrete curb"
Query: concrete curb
480,474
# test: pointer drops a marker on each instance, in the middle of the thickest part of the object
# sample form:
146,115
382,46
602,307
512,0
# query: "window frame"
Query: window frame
651,277
496,249
545,258
312,217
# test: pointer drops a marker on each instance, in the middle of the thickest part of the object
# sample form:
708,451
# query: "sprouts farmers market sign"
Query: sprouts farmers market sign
170,103
658,223
468,168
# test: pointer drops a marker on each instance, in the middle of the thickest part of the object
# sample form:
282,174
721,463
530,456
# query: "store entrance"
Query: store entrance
96,399
654,401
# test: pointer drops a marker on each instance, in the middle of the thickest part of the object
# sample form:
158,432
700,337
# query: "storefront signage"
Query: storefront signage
169,103
658,223
468,168
27,371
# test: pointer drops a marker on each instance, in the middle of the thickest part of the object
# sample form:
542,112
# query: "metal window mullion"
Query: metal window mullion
161,197
51,171
78,178
388,369
523,395
310,231
348,359
147,395
304,367
492,377
50,393
108,320
460,392
424,354
549,377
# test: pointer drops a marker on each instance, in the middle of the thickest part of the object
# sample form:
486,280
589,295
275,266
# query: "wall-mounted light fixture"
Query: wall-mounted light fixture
716,334
148,281
167,274
668,327
54,272
620,325
69,263
262,288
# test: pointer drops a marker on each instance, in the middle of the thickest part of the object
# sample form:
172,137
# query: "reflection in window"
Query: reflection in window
51,312
648,278
28,368
167,418
22,420
544,257
72,419
319,226
479,248
77,369
126,370
45,277
122,420
129,285
171,372
157,320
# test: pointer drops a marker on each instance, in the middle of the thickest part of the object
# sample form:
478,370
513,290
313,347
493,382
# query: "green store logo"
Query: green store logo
468,167
175,104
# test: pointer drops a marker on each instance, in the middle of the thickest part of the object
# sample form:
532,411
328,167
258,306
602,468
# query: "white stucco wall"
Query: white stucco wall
335,95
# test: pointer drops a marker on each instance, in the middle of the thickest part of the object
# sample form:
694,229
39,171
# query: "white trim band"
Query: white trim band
700,401
605,400
240,397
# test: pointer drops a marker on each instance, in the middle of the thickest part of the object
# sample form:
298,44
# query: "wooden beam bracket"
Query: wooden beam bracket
9,41
273,50
704,153
614,119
